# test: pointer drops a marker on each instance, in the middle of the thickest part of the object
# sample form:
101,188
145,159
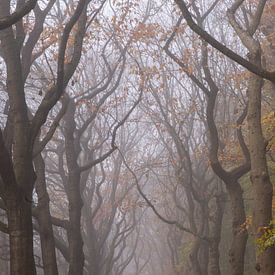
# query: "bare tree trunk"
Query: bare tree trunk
204,231
238,244
17,171
193,257
214,256
4,261
44,220
204,257
234,189
262,187
74,233
215,238
76,253
21,236
94,268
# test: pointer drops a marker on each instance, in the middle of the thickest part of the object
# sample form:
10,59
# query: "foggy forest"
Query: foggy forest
137,137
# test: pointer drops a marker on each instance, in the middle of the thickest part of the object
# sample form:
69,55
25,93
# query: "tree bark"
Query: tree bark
216,228
193,257
72,147
74,233
261,184
18,191
238,244
234,189
44,220
21,236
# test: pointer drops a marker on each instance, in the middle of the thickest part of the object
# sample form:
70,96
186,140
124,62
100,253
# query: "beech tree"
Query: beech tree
22,129
260,179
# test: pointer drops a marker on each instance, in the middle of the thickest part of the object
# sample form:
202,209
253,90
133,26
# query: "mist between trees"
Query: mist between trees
137,137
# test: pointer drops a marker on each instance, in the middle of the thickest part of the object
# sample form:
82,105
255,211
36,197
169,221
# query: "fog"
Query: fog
137,137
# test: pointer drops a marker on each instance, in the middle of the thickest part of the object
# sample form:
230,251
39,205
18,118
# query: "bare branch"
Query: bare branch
221,47
41,145
9,20
171,222
63,76
113,145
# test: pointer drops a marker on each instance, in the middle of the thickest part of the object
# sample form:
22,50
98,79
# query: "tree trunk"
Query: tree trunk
72,149
193,257
234,189
44,220
18,192
204,231
262,187
214,254
238,245
74,233
4,261
94,265
214,257
21,236
204,257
